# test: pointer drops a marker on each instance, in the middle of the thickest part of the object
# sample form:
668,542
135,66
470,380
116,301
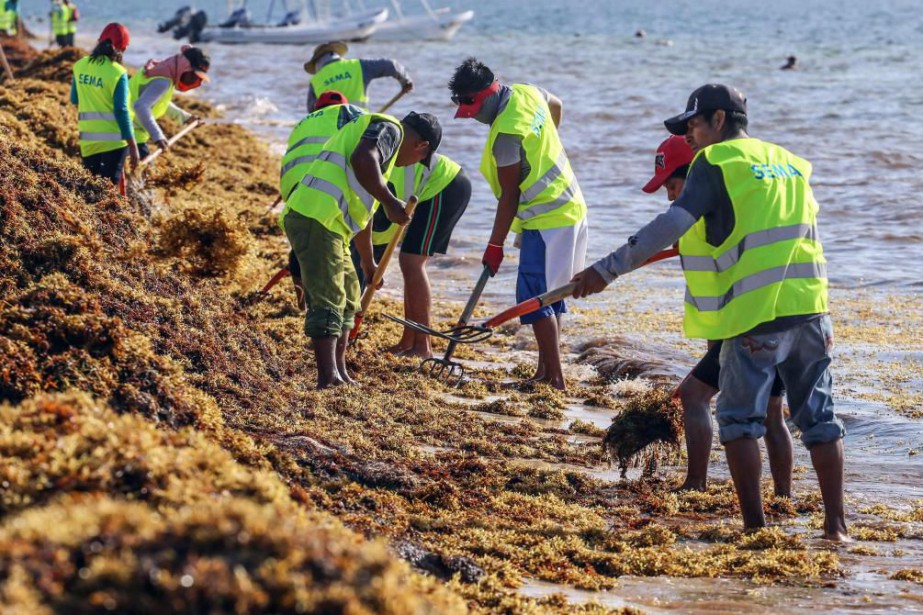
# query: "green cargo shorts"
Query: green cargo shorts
331,286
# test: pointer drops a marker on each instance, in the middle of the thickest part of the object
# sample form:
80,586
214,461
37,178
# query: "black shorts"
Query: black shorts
708,368
435,219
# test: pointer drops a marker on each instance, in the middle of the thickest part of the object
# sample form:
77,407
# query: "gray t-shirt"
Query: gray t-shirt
387,137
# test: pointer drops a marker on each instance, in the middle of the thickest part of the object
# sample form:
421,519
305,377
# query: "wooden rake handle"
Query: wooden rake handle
372,286
182,133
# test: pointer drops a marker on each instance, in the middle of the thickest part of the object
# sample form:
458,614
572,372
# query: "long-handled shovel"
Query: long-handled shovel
472,334
446,367
182,133
380,271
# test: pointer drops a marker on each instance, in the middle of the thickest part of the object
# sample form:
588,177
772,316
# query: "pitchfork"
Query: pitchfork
472,334
446,367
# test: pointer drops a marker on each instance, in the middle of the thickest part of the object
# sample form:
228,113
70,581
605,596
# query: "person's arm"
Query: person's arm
178,115
385,67
557,109
144,109
120,100
379,143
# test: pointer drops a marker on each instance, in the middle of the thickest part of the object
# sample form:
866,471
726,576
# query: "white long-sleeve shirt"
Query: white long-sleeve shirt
144,105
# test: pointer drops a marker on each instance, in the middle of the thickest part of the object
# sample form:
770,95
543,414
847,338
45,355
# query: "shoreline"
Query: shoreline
225,386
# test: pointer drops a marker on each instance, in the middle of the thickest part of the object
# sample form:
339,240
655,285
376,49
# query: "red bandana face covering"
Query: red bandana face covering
469,106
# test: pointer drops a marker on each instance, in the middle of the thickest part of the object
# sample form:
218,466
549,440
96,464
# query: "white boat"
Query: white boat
357,27
431,25
441,26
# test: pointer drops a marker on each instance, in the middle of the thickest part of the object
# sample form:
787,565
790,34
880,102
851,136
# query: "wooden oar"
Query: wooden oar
372,285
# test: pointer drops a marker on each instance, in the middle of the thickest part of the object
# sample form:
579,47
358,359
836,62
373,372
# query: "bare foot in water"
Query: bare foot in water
397,349
420,354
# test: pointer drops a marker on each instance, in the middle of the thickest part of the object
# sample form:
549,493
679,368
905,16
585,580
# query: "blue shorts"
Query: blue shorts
532,279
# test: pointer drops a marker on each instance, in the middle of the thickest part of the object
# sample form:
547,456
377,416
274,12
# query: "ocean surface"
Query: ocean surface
854,108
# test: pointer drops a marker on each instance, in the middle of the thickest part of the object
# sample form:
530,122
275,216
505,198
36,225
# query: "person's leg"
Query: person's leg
531,282
546,335
779,447
809,385
696,397
743,456
351,306
748,368
417,302
144,150
320,254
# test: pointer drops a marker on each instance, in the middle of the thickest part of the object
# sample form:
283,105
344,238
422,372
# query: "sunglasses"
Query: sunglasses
462,100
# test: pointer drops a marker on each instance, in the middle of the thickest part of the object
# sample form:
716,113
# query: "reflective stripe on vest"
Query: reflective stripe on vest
772,263
550,196
344,76
330,192
757,281
96,82
754,240
307,140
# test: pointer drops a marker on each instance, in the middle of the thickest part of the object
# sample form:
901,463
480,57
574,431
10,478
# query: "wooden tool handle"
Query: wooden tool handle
386,258
153,155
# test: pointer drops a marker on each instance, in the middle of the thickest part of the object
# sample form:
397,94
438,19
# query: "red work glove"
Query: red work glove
492,258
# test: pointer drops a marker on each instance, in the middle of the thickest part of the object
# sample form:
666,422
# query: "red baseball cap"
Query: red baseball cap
671,155
330,97
117,34
469,106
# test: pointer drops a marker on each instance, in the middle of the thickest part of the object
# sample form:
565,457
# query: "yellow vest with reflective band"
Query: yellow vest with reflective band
8,20
550,196
330,192
772,264
422,181
71,23
305,143
344,76
96,81
60,20
136,86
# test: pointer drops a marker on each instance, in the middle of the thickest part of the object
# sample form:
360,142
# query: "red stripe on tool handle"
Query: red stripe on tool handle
275,280
552,296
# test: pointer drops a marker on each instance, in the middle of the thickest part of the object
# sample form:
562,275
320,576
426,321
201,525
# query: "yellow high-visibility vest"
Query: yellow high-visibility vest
330,192
772,264
550,196
136,86
344,76
96,82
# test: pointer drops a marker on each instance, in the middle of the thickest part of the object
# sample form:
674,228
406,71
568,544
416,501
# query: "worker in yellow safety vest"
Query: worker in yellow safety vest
756,278
100,91
64,18
306,141
443,191
537,194
332,71
333,203
152,90
9,17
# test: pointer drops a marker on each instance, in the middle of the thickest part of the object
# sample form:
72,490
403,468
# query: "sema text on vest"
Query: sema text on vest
774,171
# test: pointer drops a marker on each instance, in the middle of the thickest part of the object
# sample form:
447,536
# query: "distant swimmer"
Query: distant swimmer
791,63
351,77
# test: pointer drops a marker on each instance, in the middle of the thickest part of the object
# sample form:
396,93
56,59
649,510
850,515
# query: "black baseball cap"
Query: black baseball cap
427,126
709,97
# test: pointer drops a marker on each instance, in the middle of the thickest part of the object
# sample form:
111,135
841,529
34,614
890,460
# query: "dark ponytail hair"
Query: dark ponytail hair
105,49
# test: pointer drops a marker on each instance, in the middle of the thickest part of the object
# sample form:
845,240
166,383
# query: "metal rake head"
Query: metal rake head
450,372
463,334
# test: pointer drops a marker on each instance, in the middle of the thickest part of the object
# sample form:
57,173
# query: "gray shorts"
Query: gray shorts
802,357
